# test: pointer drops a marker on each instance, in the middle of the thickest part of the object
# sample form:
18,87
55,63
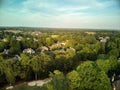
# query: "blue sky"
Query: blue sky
100,14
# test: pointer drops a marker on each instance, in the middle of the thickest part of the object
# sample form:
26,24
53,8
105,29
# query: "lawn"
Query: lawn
24,87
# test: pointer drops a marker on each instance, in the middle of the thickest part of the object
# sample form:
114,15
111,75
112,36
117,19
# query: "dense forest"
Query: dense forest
73,59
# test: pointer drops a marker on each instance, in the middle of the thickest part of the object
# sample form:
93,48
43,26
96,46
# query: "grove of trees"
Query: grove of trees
83,63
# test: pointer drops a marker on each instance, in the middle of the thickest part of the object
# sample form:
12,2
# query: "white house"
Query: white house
104,39
29,51
19,38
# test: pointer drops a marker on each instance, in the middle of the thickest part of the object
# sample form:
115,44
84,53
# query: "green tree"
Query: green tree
2,46
37,65
2,70
114,52
15,47
102,48
92,77
49,41
9,73
59,81
108,66
104,65
74,80
25,65
9,76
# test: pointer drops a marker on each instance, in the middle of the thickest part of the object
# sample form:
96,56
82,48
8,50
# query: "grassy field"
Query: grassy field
24,87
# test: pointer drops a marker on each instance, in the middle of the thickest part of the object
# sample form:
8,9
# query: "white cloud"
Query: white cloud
73,8
62,20
53,7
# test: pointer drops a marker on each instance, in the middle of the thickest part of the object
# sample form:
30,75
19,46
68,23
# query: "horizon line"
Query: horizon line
76,28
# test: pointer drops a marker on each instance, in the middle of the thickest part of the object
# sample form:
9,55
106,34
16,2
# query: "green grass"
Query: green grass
2,88
25,87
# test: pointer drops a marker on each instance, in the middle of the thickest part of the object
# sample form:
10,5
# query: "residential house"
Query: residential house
29,51
104,39
57,45
72,49
116,82
19,38
6,51
17,57
35,40
36,33
4,40
44,48
90,33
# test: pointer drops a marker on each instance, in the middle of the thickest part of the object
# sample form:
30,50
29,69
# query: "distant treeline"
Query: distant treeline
47,28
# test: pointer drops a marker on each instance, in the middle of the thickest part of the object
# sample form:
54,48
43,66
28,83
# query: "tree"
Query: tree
59,81
87,54
2,46
70,43
90,39
15,47
114,52
25,65
49,41
74,80
37,65
2,70
45,62
102,48
108,65
117,40
25,59
111,45
92,77
9,73
104,65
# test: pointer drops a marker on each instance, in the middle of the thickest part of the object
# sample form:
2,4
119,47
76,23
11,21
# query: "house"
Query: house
35,40
62,50
104,39
44,48
17,57
90,33
100,38
36,33
29,51
107,37
119,59
6,51
14,31
28,38
4,40
72,49
116,82
57,45
19,38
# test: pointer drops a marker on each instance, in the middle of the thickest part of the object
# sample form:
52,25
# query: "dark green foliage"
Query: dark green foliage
15,47
2,46
92,77
58,82
78,48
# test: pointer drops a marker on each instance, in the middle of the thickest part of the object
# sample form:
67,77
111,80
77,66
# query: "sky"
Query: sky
91,14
